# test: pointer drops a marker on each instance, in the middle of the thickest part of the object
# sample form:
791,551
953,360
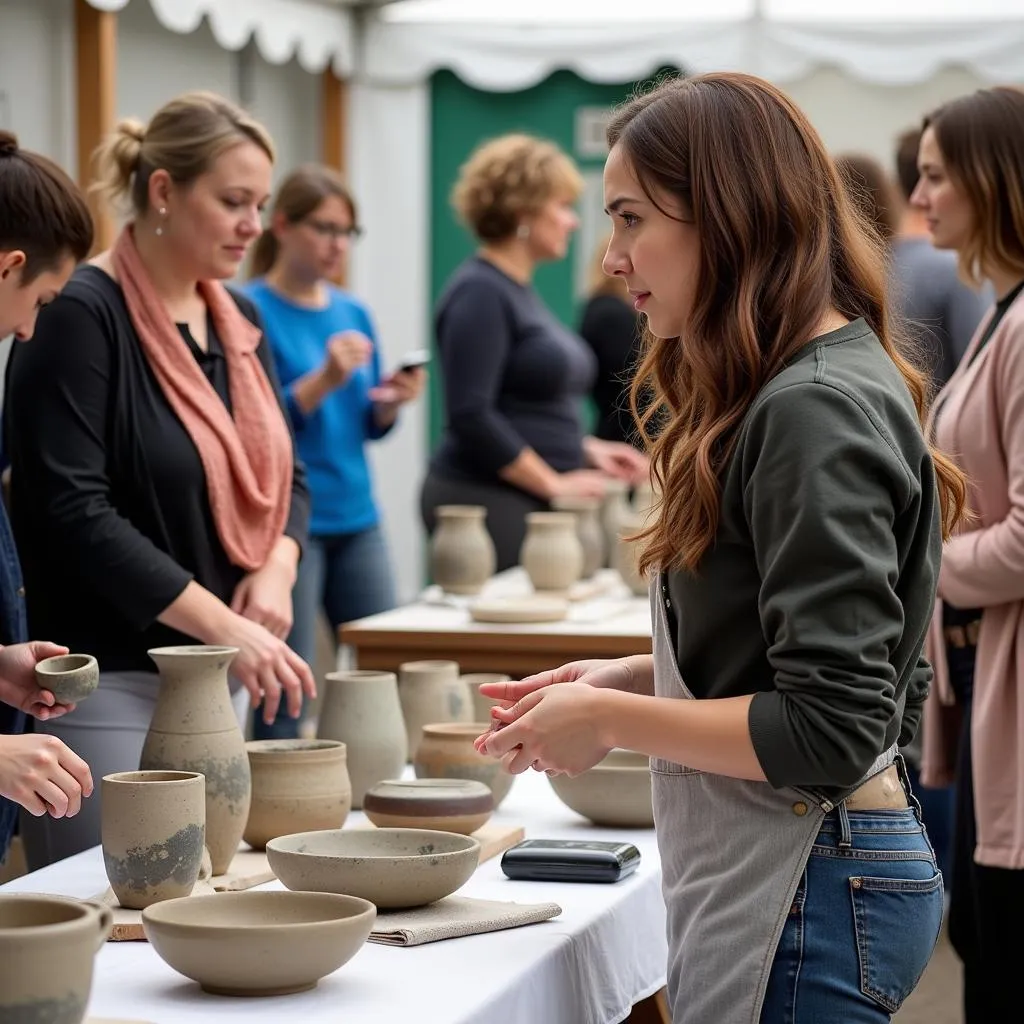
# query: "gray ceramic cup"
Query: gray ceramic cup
47,948
69,677
153,829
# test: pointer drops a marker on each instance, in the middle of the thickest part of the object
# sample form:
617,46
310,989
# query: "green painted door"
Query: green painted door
461,118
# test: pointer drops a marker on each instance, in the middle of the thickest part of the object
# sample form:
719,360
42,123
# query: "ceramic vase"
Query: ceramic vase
588,531
361,709
432,691
614,510
462,555
627,554
297,786
446,751
551,554
194,729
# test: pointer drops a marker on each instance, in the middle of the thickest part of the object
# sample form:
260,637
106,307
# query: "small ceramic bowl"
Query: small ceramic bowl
615,793
258,943
445,805
390,867
69,677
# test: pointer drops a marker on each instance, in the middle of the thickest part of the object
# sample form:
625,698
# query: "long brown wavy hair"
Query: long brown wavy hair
781,246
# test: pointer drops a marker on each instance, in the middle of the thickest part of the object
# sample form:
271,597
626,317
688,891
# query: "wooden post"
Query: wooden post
333,121
96,99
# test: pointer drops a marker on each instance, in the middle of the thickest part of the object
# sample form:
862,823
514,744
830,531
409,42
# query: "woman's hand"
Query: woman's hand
617,459
395,391
265,596
267,667
43,775
346,351
610,673
579,483
554,729
18,684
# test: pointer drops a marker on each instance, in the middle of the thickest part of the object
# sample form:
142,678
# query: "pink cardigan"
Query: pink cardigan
980,423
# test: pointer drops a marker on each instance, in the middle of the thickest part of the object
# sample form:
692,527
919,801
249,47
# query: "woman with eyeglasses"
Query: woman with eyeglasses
328,359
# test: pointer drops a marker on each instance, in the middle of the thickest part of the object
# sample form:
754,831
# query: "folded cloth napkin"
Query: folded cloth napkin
453,917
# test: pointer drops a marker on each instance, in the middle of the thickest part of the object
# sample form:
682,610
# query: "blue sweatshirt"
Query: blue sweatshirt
331,438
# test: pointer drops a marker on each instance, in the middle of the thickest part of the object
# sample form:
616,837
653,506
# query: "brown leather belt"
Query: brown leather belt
963,636
882,792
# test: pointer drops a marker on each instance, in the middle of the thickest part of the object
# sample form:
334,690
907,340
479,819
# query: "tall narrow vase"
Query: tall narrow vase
194,729
361,709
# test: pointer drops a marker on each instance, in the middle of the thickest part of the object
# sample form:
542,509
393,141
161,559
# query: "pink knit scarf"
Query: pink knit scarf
247,457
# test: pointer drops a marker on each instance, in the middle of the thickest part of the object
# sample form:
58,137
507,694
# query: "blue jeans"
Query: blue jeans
347,575
863,925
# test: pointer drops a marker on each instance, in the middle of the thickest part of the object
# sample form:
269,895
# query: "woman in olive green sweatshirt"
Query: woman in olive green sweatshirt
794,556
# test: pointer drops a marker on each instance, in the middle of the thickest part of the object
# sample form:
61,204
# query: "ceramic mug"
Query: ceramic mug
153,830
47,947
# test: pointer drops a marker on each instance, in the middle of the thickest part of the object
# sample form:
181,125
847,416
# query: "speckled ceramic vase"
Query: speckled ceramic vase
153,827
551,553
588,531
462,556
194,729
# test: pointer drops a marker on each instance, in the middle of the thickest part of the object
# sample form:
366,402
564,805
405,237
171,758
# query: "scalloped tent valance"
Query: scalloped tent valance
317,34
505,57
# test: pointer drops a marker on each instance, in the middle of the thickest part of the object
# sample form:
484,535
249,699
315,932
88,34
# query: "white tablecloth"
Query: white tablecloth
588,966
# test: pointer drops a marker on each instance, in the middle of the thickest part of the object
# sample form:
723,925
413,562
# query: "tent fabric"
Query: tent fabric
318,35
508,57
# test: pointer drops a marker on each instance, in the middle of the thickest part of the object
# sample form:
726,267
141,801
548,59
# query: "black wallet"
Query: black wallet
570,860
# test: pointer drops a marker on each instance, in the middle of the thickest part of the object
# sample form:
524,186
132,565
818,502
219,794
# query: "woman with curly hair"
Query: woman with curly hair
794,555
513,376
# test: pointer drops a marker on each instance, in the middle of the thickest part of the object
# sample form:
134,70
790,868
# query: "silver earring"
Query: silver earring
163,213
523,231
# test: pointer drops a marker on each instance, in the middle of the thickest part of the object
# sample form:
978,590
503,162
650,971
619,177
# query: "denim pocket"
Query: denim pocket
897,921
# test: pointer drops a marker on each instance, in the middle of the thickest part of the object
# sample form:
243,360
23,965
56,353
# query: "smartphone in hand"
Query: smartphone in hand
415,360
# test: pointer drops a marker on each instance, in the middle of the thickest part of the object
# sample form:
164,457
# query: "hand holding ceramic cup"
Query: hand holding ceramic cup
47,948
69,677
153,828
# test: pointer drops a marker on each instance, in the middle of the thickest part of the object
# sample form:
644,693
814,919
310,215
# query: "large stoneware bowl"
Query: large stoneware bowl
615,793
390,867
258,943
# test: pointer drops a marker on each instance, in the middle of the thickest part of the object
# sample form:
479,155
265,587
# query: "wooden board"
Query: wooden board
249,868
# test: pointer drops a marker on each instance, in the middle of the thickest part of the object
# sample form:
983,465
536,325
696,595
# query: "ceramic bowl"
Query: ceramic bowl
390,867
258,943
69,677
615,793
444,805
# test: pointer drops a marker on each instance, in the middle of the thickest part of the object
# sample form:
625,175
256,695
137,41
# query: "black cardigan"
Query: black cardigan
109,500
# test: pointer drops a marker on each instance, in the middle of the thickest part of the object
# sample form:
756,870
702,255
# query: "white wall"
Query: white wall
867,118
37,76
389,161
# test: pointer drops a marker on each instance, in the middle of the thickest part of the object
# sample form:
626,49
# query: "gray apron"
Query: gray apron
732,855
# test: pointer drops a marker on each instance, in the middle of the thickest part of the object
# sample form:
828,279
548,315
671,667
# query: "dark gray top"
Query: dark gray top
941,312
820,586
513,376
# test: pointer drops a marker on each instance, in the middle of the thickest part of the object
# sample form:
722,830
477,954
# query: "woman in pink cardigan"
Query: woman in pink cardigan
972,191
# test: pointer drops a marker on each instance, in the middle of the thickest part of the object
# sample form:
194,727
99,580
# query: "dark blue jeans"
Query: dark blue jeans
346,575
863,924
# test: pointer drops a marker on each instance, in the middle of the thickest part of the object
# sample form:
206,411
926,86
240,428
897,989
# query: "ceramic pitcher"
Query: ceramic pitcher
551,554
194,729
432,691
462,556
361,709
588,530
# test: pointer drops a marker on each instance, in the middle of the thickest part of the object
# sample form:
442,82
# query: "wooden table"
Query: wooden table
611,624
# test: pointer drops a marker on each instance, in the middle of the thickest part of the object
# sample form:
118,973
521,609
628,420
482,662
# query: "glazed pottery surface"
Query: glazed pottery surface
390,867
153,830
47,948
259,943
447,752
194,729
361,709
431,691
462,555
297,786
481,704
444,805
588,531
69,677
616,792
551,553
